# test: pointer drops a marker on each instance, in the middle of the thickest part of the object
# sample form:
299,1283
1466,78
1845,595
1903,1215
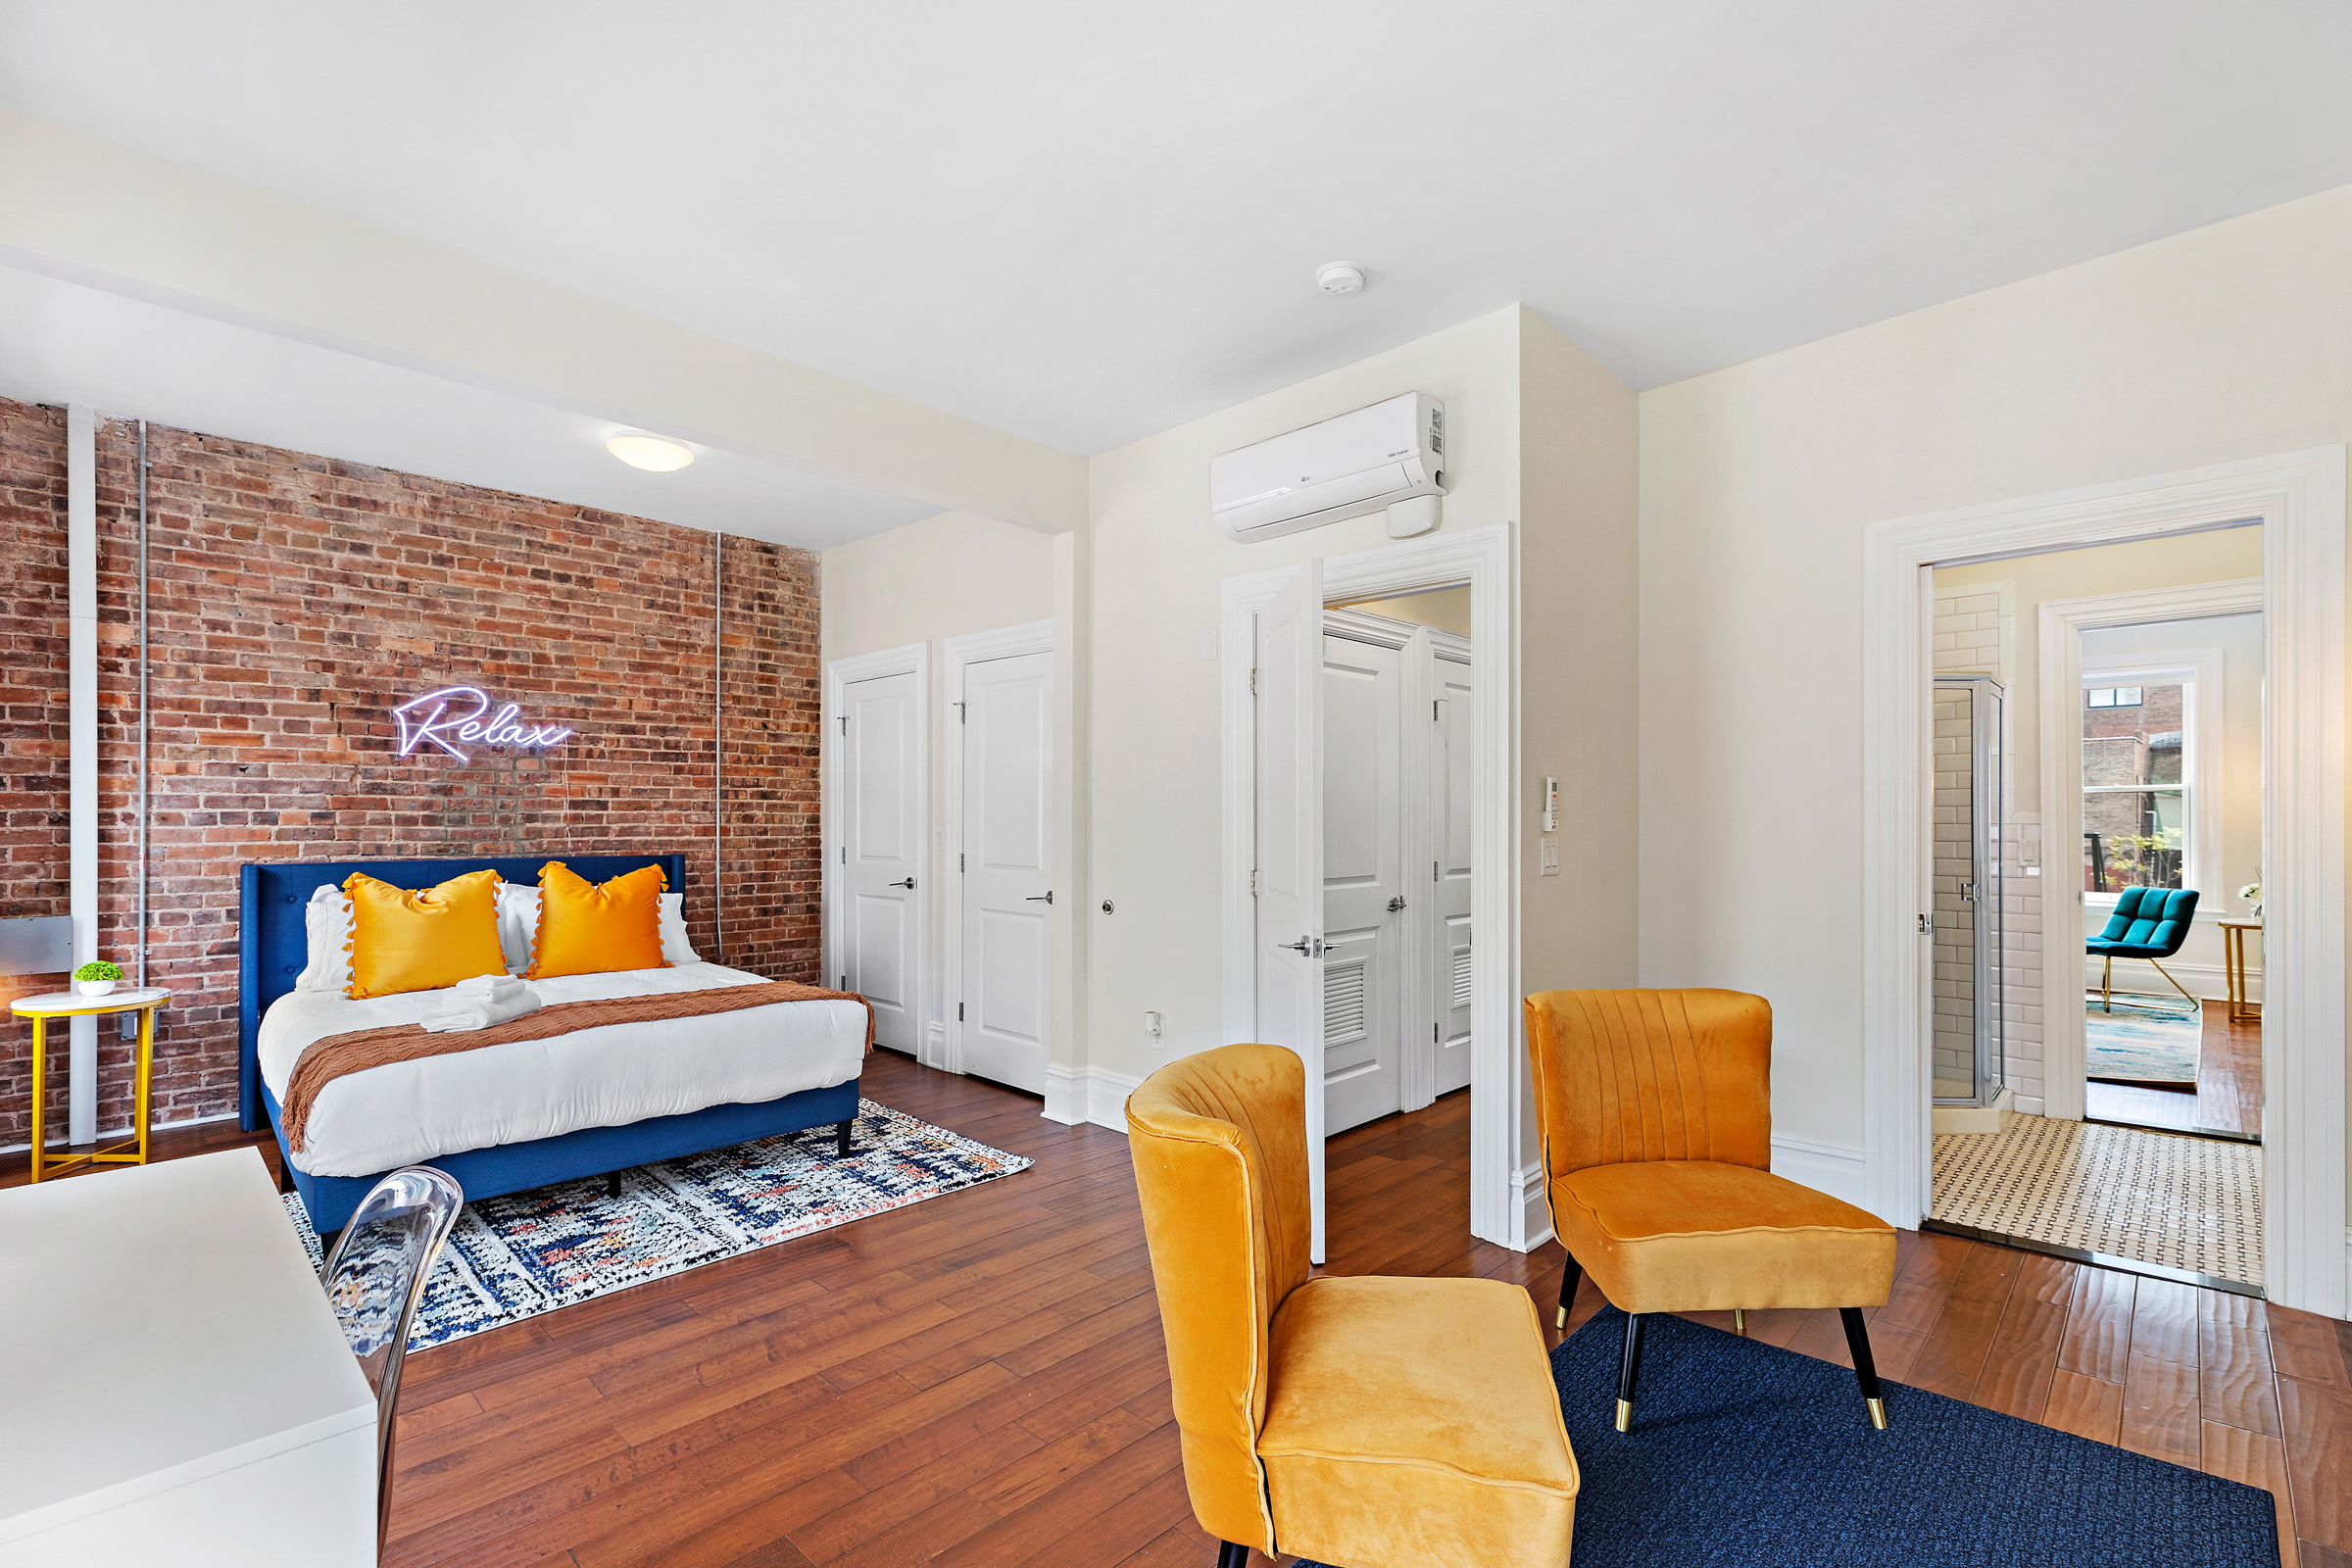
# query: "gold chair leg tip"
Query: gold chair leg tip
1625,1415
1561,1321
1739,1321
1877,1413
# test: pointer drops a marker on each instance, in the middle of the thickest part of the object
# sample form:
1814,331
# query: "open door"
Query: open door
1288,678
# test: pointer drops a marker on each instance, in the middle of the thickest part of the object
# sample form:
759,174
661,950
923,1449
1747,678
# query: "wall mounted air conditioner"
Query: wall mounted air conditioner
1344,468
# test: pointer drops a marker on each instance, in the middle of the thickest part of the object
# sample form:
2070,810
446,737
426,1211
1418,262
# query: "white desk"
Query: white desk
173,1388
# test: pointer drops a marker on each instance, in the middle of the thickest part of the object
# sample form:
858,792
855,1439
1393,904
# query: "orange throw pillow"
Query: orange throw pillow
404,941
587,929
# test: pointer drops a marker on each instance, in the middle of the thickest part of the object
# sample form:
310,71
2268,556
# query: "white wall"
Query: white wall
1157,563
1757,481
924,583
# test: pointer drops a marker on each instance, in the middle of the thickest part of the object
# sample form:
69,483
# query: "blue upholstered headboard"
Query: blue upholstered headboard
273,941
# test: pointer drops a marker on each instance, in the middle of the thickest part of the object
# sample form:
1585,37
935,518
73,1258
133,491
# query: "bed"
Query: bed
508,1117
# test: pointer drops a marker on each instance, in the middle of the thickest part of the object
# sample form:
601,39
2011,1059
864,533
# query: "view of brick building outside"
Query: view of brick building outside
2133,837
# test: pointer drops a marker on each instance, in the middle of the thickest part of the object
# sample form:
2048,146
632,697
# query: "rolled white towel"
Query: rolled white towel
501,986
481,1013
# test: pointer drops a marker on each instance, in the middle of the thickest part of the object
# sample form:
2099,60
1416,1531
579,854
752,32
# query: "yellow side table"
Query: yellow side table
71,1004
2242,1008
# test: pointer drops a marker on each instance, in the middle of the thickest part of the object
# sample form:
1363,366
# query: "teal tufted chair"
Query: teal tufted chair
2148,923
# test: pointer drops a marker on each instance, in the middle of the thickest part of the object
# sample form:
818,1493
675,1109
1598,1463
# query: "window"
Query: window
2137,795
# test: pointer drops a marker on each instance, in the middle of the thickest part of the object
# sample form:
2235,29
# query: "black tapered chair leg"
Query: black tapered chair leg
1568,1282
1866,1370
1232,1554
844,1148
1628,1367
611,1184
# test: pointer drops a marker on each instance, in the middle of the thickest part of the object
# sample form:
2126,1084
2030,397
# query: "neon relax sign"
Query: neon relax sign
463,713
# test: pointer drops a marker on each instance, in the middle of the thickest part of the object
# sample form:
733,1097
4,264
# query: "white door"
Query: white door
1449,924
1286,672
881,853
1363,882
1007,886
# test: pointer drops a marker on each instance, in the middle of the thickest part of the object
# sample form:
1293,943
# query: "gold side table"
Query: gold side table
2243,1010
71,1004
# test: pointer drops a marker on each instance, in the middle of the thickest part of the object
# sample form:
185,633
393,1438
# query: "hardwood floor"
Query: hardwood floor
2229,1093
980,1379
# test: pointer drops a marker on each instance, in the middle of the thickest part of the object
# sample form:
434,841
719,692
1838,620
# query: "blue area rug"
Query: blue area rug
530,1253
1743,1456
2139,1043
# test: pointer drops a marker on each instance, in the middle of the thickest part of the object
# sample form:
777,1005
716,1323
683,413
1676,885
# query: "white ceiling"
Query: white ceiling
1083,223
60,342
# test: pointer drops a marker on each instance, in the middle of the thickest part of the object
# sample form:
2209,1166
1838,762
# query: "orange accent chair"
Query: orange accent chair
1354,1420
1656,1115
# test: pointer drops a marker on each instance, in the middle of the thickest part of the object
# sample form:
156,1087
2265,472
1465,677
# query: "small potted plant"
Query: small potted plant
97,977
2252,894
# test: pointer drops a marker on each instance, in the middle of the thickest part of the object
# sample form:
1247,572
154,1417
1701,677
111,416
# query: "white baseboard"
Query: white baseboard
1094,1094
1530,1203
1831,1168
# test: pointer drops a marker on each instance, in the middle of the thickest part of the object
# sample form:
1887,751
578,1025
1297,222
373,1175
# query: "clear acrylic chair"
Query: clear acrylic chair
375,1279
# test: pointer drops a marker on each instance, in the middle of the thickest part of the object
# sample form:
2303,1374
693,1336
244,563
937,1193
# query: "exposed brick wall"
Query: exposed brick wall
32,708
293,600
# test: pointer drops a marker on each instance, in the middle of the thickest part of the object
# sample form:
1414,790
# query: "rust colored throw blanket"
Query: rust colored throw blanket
326,1060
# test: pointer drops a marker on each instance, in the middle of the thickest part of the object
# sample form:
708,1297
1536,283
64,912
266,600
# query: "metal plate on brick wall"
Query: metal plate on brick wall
41,944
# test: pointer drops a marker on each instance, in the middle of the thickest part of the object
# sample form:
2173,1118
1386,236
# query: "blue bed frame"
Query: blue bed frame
273,946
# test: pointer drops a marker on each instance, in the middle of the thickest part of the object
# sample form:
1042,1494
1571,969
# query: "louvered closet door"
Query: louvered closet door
1449,813
1363,876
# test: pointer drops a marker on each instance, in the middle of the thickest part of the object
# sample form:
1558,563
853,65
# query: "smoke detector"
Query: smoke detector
1340,278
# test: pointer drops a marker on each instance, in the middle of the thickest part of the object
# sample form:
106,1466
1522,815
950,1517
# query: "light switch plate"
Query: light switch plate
1548,853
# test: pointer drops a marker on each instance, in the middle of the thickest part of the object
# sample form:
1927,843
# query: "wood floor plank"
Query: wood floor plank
2023,1355
2098,1326
2234,1382
2088,1408
2316,1419
2160,1410
1953,1358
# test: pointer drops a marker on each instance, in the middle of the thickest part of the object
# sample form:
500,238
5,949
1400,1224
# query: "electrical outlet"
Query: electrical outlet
1151,1024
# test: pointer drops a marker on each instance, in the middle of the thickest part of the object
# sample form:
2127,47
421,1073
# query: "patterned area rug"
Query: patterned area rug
2181,1203
2138,1044
530,1253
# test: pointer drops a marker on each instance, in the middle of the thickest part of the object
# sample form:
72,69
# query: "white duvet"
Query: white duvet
409,1112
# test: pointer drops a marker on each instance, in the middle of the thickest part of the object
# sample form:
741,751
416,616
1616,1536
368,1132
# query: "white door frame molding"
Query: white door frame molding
1505,1207
913,660
958,653
2299,499
2062,622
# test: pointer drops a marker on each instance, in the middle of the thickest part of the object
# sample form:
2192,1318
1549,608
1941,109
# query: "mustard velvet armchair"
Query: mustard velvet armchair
1355,1420
1655,1108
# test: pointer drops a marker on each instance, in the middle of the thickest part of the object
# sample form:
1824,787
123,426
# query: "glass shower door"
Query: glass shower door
1968,1052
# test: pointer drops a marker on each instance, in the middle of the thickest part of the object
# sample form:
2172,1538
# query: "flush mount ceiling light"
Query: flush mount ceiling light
652,452
1340,278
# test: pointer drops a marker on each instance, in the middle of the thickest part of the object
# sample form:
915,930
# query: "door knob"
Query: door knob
1311,947
909,882
1045,896
1396,904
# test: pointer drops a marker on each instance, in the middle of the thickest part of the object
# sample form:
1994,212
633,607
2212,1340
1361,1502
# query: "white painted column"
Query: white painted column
81,611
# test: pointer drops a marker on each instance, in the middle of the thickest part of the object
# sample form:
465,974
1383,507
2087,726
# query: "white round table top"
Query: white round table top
72,1004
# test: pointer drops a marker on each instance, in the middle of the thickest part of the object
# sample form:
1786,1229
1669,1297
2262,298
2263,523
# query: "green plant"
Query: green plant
99,969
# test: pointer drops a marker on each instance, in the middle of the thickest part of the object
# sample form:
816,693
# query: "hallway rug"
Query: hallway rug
530,1253
1745,1456
2138,1044
2182,1202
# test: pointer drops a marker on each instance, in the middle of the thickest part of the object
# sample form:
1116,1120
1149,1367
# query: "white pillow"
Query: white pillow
326,921
675,946
519,926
